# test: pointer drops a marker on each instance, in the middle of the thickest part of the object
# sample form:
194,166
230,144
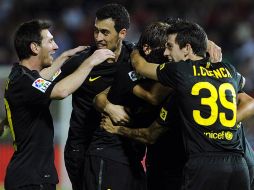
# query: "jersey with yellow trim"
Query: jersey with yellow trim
206,103
84,118
27,100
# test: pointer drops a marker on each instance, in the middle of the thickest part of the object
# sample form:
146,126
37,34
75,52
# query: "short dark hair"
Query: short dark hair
191,33
154,35
173,20
117,12
27,33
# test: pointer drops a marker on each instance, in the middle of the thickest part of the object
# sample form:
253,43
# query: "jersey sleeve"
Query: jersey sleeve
124,81
71,65
167,112
36,91
167,74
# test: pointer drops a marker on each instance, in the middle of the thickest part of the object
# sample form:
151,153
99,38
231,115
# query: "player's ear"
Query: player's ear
147,49
122,33
187,50
35,48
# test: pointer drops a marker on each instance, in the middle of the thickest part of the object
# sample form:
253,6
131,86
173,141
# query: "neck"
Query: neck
32,63
118,49
194,57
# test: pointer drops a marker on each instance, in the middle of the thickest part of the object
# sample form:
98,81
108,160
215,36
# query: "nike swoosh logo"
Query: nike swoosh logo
93,79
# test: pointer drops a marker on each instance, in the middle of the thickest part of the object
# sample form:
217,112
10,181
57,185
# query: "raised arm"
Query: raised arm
116,112
145,135
69,84
49,72
142,66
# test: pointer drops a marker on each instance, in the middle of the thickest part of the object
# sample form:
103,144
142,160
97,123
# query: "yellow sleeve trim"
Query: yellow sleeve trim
8,111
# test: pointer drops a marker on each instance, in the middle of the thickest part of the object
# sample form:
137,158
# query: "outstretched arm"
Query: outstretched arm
145,135
69,84
49,72
142,66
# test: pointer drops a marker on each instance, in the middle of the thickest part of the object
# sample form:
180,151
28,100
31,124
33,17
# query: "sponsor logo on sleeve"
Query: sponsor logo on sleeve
41,84
163,114
133,75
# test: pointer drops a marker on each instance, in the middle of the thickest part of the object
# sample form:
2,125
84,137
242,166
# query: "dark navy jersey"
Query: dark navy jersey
84,118
116,147
206,102
27,99
171,141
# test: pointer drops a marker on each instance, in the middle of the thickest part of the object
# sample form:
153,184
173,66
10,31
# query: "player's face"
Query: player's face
105,35
47,48
173,51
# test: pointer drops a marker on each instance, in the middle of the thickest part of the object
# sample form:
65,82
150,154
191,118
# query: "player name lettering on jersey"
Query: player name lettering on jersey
223,135
221,72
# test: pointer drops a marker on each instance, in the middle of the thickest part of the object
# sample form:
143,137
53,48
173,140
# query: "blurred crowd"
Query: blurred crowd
229,23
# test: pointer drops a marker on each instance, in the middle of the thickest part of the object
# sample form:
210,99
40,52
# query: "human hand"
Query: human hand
100,56
117,113
69,53
214,52
107,124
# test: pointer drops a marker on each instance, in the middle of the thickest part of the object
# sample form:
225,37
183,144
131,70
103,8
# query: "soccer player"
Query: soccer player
206,97
110,29
27,99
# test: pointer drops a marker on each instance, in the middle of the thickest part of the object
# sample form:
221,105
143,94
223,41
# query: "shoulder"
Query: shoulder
129,46
80,56
20,73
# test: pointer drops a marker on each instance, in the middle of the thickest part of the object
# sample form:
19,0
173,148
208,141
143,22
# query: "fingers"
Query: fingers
214,52
101,55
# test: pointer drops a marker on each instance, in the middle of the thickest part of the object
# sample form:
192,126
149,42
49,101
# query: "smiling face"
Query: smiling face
173,51
47,48
105,34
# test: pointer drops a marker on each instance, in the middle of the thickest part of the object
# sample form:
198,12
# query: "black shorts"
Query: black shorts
36,187
101,174
74,164
218,171
164,178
